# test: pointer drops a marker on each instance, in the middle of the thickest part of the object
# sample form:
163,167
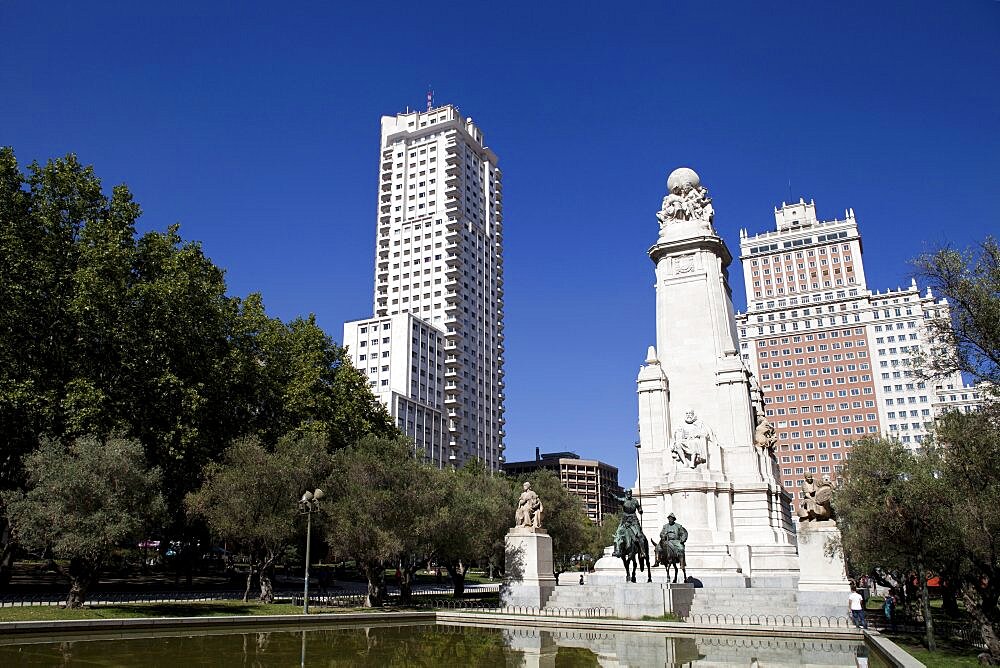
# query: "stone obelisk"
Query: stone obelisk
698,411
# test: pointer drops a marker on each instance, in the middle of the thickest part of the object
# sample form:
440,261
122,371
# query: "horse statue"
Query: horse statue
668,556
636,553
631,546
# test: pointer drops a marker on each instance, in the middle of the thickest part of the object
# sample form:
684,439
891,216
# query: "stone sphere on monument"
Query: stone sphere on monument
681,179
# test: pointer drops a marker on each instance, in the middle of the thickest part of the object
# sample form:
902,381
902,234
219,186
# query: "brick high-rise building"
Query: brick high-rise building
834,360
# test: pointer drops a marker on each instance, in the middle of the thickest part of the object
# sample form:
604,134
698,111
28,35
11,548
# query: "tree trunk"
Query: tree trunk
266,580
456,571
83,575
6,552
406,585
250,575
375,574
975,605
925,605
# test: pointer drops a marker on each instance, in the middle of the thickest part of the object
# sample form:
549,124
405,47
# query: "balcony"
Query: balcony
451,297
451,400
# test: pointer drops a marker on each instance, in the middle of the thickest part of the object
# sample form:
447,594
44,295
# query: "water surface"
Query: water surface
419,645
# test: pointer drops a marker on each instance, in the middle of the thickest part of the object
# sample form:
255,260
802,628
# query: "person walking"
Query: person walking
889,610
855,604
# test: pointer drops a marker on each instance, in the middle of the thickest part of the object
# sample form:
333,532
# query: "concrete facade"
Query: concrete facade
439,261
592,480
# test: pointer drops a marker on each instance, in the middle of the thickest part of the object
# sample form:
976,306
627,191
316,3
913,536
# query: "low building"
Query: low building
594,481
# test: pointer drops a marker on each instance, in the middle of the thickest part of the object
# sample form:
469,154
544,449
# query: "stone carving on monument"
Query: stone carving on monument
818,502
764,436
529,578
691,442
686,200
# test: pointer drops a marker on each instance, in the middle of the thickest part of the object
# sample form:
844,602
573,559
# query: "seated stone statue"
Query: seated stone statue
817,504
690,443
529,509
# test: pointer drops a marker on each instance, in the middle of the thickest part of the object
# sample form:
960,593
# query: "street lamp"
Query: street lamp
309,504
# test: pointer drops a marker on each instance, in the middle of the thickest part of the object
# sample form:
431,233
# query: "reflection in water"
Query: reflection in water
421,645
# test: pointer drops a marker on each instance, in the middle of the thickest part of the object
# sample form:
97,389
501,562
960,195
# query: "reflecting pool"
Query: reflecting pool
420,645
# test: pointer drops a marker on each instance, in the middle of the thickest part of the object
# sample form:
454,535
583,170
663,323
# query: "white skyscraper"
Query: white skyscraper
433,351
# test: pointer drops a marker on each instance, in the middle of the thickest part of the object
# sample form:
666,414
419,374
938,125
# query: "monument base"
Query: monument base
528,559
821,563
823,584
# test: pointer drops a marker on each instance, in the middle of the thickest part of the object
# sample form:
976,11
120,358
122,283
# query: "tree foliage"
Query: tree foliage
84,500
970,340
381,498
478,511
249,499
108,332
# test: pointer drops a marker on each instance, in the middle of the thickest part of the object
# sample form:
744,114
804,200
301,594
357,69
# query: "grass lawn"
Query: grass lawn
948,654
191,609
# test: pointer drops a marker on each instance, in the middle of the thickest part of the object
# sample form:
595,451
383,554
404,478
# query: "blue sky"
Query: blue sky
256,126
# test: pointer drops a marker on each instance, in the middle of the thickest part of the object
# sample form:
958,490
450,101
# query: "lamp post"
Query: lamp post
308,504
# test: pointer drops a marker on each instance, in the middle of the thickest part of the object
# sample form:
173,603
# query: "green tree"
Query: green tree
82,501
970,340
894,513
250,499
380,500
109,333
971,450
478,511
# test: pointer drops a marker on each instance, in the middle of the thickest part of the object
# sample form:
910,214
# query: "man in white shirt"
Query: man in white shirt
855,604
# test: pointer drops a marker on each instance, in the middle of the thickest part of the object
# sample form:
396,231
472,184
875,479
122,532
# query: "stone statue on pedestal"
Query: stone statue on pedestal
529,509
817,503
690,443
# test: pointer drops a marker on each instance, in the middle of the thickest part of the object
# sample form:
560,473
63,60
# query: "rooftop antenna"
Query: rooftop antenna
430,97
789,190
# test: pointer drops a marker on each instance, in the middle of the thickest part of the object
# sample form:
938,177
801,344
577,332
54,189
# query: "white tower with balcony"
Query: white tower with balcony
433,351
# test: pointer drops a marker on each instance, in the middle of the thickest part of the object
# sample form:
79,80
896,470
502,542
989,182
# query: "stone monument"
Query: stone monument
707,451
703,453
528,555
822,573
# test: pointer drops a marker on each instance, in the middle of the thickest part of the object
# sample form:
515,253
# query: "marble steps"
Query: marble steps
578,597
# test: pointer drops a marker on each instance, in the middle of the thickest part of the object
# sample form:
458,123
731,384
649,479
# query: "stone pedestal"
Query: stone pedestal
823,584
528,564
